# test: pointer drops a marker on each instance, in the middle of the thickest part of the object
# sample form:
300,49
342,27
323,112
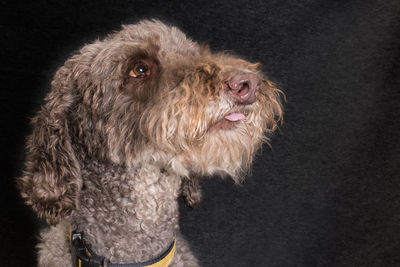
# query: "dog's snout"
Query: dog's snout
242,87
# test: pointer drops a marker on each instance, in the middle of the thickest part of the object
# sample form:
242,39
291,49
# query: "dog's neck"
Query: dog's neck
128,214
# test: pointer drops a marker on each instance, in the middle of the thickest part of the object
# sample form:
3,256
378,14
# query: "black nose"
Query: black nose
242,87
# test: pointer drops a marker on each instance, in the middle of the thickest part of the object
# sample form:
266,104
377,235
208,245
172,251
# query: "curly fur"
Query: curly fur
110,154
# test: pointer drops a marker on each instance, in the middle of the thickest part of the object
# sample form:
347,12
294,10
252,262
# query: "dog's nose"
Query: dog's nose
242,87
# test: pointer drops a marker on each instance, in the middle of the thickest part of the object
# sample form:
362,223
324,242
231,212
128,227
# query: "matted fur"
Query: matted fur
110,154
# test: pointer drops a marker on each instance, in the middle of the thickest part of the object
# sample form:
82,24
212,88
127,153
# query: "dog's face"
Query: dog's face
146,90
209,112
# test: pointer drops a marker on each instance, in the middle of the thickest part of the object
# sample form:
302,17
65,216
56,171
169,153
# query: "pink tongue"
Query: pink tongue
235,117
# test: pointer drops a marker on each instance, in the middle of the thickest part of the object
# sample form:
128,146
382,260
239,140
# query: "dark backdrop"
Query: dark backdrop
326,194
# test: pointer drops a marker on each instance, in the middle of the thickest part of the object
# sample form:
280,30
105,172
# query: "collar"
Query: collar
83,255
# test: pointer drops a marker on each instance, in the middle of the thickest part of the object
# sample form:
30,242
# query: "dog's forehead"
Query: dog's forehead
171,41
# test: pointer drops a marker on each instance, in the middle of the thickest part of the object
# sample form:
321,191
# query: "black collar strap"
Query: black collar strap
83,256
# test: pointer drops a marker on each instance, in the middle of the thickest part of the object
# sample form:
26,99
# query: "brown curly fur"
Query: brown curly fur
110,153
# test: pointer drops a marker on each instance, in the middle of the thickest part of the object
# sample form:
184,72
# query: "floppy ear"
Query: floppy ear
52,180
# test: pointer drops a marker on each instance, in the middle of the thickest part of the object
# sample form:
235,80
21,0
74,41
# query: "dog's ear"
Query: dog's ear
52,180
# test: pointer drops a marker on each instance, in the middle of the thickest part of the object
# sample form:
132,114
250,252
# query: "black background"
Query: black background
328,191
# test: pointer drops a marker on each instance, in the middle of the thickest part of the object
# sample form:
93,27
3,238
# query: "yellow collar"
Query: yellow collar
83,256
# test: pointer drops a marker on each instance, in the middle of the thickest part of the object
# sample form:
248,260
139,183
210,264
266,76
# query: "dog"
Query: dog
132,122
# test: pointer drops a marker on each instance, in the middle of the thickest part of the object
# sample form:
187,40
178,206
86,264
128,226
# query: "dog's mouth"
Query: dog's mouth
229,121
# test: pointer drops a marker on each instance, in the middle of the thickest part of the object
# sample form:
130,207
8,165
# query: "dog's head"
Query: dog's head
146,90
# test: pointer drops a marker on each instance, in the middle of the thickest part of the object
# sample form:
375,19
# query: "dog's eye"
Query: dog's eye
140,70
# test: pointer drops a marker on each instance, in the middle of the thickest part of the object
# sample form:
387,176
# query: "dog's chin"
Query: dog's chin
227,149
